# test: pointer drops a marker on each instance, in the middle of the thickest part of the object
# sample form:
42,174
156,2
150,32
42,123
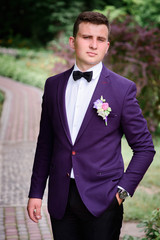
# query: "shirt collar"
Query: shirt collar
96,69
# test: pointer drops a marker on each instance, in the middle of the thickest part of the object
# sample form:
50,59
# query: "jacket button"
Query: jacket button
73,153
68,175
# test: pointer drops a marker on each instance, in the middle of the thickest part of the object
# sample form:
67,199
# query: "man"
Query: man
79,144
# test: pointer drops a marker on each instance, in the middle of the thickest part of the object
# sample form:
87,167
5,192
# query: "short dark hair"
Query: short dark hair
91,17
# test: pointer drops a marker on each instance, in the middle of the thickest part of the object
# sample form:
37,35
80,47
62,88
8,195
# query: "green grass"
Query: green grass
141,205
147,196
1,101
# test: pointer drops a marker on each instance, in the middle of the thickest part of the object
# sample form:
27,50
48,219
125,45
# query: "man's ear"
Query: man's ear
72,42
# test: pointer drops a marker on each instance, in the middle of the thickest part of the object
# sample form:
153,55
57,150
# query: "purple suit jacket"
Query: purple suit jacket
96,155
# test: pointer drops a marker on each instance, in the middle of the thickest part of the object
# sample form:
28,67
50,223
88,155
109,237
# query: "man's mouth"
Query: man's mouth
91,54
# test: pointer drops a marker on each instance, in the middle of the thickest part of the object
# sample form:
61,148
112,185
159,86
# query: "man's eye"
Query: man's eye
101,39
86,37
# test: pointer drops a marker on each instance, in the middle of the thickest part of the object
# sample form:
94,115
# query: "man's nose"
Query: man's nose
93,44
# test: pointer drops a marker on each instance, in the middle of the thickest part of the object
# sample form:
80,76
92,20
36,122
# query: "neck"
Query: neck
85,68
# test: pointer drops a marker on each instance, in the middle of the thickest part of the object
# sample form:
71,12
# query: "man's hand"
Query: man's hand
34,209
119,199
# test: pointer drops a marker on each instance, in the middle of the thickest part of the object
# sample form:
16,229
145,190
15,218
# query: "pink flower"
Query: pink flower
105,106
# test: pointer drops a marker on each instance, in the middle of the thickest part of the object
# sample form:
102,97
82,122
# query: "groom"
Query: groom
85,112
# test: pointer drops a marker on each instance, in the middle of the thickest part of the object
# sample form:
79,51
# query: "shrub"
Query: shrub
145,13
134,53
62,51
1,101
19,71
151,228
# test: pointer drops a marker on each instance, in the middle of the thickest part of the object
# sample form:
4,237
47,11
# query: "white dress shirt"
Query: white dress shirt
77,99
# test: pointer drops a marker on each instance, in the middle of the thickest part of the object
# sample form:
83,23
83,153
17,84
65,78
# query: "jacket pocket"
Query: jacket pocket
112,175
112,115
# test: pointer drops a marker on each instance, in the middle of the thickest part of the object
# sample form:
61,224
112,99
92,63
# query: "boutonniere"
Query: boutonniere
103,108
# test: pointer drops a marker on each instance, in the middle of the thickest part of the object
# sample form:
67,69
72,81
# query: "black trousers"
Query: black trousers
79,224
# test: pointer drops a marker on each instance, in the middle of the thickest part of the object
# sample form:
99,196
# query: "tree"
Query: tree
37,20
146,13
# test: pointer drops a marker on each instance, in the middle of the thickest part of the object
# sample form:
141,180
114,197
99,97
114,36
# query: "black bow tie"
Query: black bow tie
87,75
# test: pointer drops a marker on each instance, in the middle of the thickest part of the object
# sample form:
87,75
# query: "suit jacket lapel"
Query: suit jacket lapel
61,102
99,91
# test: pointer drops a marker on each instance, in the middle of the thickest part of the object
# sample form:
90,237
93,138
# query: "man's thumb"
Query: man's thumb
38,212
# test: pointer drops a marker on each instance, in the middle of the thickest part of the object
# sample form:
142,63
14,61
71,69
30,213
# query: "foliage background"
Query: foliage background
37,22
135,45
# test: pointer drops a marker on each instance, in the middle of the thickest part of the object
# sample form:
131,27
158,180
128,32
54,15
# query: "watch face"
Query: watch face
123,194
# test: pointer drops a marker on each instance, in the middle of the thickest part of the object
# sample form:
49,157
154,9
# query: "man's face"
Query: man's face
90,45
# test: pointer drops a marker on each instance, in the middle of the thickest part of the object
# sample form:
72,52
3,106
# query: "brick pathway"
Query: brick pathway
21,113
15,224
19,126
18,133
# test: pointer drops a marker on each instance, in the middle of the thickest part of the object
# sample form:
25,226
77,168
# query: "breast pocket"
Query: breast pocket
112,115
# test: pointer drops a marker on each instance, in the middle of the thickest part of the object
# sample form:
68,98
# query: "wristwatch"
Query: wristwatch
123,194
